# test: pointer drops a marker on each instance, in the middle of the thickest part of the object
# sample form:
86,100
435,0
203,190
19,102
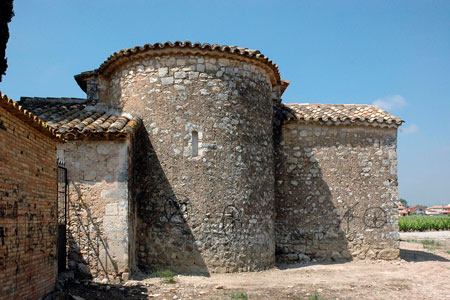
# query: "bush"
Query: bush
239,295
316,296
167,276
423,223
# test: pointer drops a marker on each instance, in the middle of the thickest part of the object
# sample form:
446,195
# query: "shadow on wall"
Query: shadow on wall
307,226
307,222
333,191
163,236
88,250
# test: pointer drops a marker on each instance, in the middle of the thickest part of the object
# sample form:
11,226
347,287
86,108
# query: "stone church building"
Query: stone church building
183,156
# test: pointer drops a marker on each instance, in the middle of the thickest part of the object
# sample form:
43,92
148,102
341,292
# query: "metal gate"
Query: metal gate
62,217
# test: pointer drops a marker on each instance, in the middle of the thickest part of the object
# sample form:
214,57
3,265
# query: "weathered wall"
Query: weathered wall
335,192
210,212
99,221
28,210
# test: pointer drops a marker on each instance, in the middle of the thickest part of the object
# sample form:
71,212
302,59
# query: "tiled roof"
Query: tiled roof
25,115
186,46
74,118
346,114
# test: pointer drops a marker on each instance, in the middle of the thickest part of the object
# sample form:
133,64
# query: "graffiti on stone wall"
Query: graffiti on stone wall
350,216
373,217
176,212
231,219
25,234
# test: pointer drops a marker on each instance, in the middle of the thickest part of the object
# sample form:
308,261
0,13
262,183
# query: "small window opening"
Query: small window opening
194,143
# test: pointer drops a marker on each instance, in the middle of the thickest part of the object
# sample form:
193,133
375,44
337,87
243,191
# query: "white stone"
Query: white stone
193,75
180,75
222,97
140,68
111,209
163,72
224,61
167,80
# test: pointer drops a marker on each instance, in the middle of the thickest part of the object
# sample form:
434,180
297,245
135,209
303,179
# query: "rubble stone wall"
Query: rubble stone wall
99,222
335,192
28,210
211,211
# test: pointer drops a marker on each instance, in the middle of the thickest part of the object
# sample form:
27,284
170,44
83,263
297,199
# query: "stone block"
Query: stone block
166,80
115,194
125,276
180,75
84,269
111,209
389,254
90,175
200,68
162,72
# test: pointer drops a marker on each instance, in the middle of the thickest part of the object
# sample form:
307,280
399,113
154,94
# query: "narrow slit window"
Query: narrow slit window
194,143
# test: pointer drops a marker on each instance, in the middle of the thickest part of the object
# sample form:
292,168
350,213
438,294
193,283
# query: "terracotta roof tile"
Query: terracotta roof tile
186,46
74,118
27,116
347,114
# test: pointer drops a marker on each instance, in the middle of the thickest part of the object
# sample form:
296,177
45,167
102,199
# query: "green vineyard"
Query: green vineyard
424,223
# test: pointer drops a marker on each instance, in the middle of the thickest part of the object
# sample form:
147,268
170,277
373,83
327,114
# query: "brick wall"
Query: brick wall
28,207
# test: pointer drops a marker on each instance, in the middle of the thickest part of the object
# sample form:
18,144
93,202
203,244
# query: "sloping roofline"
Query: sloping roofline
340,114
186,47
26,116
76,118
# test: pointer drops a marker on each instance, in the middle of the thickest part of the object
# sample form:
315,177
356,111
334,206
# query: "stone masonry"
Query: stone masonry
98,223
183,157
335,191
207,212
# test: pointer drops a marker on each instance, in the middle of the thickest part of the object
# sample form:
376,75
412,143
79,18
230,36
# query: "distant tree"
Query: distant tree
421,206
6,14
404,202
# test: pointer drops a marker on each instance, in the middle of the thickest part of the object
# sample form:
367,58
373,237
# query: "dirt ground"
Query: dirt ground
421,273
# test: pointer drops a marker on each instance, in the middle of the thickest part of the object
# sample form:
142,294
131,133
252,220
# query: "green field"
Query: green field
424,223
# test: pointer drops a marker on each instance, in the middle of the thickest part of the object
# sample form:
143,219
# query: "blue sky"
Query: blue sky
393,53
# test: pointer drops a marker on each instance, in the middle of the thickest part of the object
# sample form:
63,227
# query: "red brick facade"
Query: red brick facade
28,206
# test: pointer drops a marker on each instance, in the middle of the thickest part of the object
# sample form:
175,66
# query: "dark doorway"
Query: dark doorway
62,217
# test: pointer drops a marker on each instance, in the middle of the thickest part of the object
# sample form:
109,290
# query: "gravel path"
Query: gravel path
425,235
420,274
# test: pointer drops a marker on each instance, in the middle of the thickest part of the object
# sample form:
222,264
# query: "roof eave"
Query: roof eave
26,116
82,78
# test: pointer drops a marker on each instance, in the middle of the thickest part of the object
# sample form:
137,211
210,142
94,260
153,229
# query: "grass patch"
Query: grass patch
167,276
316,296
239,295
432,243
428,244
